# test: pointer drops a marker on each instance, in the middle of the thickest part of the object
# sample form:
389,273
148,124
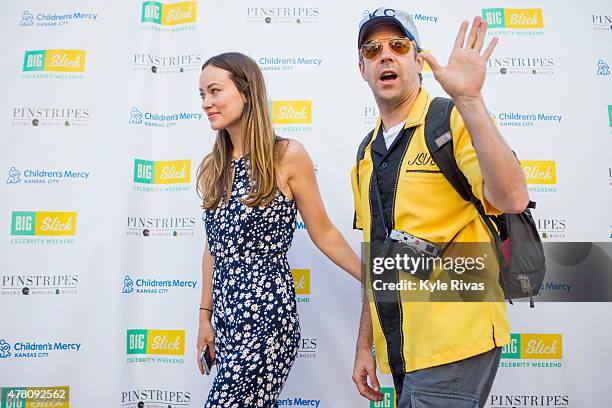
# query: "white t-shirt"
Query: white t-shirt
392,133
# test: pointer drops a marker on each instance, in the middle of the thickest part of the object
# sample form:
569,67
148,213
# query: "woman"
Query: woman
251,185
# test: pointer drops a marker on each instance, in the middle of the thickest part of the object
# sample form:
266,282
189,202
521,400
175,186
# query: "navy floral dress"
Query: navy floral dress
254,310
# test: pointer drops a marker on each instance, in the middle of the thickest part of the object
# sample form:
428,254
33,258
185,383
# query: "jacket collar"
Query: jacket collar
416,117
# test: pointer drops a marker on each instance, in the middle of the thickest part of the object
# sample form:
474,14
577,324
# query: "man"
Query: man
441,354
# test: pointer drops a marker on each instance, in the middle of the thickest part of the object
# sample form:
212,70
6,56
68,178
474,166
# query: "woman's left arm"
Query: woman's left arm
303,184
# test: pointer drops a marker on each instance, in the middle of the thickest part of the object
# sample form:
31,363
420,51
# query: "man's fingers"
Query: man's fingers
432,61
365,390
473,33
489,51
461,35
480,37
373,379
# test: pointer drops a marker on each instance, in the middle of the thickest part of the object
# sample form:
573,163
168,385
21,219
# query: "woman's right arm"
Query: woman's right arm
206,334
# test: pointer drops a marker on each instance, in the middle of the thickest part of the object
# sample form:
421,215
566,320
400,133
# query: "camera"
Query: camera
415,245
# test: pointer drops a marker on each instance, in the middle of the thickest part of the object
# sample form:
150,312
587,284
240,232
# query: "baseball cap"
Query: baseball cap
385,15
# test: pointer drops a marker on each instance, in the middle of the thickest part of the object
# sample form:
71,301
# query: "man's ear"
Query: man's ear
362,70
420,61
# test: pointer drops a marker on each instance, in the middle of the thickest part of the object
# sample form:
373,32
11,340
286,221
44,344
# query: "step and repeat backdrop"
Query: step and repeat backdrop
101,235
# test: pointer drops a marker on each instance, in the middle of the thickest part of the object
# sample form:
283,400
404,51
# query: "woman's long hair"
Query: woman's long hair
258,140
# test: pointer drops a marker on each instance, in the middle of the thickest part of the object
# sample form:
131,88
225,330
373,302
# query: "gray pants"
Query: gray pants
462,384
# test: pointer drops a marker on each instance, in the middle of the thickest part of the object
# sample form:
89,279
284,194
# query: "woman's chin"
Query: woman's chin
215,126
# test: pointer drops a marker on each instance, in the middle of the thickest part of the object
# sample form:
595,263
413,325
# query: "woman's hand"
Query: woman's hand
206,335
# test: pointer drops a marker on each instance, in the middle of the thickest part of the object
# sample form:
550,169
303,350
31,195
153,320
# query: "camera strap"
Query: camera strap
375,178
379,203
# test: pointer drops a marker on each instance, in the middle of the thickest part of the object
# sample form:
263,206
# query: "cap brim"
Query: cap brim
375,22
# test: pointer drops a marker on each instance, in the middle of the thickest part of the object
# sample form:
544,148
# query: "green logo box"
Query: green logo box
151,12
34,60
23,223
144,171
512,350
136,341
495,17
610,114
6,402
388,398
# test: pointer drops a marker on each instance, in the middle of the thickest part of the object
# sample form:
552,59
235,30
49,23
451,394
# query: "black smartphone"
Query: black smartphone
207,361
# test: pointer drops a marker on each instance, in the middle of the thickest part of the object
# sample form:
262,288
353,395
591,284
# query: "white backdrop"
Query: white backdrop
101,225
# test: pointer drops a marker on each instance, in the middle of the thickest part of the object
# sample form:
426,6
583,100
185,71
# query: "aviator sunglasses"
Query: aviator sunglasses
399,45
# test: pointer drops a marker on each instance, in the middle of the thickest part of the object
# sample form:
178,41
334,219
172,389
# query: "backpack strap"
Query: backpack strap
439,140
360,155
361,150
362,147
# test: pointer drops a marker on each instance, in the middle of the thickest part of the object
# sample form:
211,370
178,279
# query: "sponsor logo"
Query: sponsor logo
173,175
17,397
173,17
57,64
513,66
26,224
154,346
292,116
161,226
166,64
39,284
43,223
551,228
533,347
273,63
161,120
541,175
300,224
5,349
307,347
154,286
388,400
46,19
507,21
603,69
154,398
370,115
50,116
528,401
415,16
554,287
301,283
27,19
282,15
44,176
610,115
526,119
602,22
36,349
298,402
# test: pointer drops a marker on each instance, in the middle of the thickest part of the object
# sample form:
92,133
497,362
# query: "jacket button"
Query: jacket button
384,166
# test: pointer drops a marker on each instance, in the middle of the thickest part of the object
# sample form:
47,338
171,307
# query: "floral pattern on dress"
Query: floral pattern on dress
255,316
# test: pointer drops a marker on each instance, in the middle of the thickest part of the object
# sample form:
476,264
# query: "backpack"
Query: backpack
519,247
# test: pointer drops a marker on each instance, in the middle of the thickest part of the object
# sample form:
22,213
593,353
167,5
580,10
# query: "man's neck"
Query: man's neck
395,113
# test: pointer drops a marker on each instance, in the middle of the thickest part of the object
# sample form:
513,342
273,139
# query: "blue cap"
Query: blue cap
385,15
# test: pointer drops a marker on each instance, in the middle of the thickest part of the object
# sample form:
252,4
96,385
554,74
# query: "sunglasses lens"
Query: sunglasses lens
400,45
371,49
